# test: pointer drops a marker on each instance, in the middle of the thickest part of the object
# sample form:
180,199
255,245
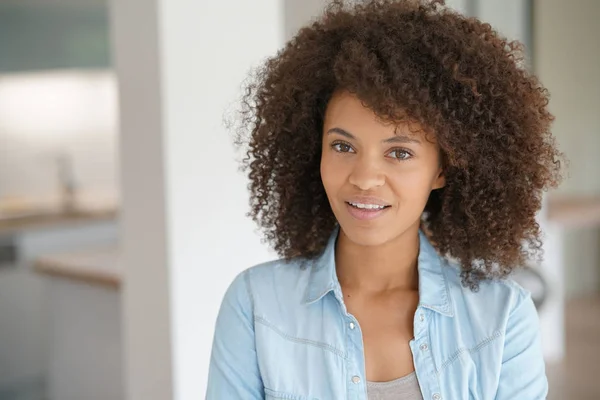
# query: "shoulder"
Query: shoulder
278,280
494,302
279,273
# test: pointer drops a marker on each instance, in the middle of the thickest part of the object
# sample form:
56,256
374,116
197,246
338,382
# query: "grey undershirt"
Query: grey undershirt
405,388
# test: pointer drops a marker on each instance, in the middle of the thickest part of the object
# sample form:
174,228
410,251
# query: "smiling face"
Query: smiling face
377,176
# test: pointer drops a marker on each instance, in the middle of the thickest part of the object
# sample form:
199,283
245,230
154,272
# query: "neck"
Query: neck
378,269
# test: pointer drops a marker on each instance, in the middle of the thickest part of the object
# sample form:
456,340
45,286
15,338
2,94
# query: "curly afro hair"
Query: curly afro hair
406,60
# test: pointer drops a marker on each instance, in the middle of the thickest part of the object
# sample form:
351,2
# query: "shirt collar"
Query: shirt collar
434,292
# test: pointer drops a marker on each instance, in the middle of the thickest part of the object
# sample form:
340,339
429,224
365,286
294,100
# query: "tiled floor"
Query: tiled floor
578,376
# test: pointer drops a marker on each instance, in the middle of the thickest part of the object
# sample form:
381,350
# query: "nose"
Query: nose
367,174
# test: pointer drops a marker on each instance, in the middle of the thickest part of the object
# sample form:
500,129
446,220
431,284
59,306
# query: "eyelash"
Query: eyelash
338,144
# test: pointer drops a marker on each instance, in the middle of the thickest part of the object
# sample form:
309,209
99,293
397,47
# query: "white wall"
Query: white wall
185,236
300,13
567,56
45,114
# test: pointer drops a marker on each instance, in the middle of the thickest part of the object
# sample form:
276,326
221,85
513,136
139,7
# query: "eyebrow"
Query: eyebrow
393,139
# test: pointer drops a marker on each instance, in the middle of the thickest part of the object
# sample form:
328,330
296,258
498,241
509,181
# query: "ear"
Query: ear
440,180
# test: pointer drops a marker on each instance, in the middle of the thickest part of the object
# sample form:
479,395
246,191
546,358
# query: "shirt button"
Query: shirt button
424,347
352,326
436,396
356,379
422,317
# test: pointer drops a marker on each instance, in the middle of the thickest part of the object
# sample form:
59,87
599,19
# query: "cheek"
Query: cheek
332,173
412,183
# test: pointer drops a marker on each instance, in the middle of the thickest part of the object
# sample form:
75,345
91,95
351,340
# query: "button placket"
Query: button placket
420,321
355,363
423,357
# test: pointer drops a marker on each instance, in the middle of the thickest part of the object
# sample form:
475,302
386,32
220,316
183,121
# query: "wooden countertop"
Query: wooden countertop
575,212
98,266
49,219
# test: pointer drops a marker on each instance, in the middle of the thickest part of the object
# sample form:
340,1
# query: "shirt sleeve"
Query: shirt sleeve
233,371
522,374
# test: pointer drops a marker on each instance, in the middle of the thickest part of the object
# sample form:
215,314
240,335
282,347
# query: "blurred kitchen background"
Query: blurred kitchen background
122,212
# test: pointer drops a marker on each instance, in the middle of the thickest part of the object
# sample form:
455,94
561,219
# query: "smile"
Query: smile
367,206
366,211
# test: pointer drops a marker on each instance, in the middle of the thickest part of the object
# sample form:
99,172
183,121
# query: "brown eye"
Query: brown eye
400,154
342,147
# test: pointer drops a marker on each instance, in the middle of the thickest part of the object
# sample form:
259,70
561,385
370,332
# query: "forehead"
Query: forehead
345,110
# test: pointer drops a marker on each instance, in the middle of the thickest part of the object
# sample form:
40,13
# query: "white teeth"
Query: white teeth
367,206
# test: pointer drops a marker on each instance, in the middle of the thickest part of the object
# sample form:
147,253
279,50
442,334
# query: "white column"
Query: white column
184,233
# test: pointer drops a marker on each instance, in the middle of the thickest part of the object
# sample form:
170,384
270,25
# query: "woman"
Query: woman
397,153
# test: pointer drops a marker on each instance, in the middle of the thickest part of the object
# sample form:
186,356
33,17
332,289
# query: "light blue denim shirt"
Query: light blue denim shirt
283,332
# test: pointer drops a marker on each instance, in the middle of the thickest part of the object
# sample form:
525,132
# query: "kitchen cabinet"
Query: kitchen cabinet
24,312
85,349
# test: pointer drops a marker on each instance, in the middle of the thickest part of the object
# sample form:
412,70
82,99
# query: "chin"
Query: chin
374,234
366,236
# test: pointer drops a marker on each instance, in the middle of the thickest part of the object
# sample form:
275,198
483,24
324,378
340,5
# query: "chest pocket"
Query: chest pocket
294,367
